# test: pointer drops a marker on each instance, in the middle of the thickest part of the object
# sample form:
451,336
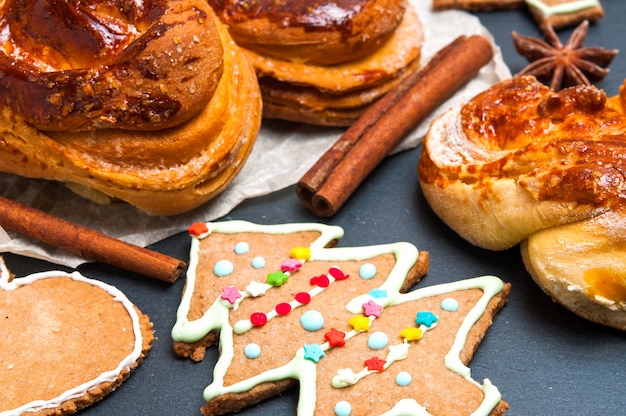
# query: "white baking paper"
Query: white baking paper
282,154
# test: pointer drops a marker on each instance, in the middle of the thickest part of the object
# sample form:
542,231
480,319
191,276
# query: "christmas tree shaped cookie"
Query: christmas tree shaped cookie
289,308
67,341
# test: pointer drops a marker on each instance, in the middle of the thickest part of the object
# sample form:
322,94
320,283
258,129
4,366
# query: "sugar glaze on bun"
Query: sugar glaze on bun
520,163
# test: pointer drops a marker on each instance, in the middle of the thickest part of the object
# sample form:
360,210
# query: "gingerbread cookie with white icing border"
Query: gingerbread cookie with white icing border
563,13
289,308
67,342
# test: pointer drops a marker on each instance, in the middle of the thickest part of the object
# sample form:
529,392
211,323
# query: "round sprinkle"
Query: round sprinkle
242,247
283,308
367,271
303,297
449,304
258,262
252,350
258,319
403,379
343,408
223,268
312,320
378,340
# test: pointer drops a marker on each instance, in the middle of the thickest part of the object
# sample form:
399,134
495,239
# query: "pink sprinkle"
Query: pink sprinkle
303,298
283,308
290,265
258,319
231,294
372,308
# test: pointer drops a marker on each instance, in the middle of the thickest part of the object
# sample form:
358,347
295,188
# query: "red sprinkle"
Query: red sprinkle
283,308
321,281
198,228
375,364
335,338
303,298
337,273
258,319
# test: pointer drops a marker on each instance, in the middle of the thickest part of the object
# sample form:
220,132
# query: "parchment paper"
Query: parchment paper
282,154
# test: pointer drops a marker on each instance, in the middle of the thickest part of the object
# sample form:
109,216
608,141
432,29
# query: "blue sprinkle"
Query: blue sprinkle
223,268
378,340
426,318
343,408
367,271
403,379
378,293
252,350
450,305
312,320
242,247
258,262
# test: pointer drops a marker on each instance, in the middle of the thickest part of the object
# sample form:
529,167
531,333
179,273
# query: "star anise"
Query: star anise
563,65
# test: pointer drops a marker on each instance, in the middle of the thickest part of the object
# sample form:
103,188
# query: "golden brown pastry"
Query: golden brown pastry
522,163
324,62
142,112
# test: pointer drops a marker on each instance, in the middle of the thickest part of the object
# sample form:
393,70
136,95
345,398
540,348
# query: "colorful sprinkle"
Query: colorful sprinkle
426,318
450,305
303,297
321,281
290,265
300,253
378,293
277,278
198,228
258,319
223,268
360,323
257,289
337,273
375,364
312,320
252,350
372,308
403,379
283,308
367,271
231,294
411,334
378,340
242,247
343,408
258,262
313,352
335,338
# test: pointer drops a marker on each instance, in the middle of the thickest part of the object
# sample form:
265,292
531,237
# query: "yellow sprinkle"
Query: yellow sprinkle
411,334
360,323
300,253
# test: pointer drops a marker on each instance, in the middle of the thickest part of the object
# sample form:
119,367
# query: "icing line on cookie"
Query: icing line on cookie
107,376
563,8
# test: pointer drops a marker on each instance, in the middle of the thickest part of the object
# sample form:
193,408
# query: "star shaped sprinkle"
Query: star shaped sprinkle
300,253
231,294
290,265
378,293
426,318
335,338
372,308
411,334
277,278
360,323
313,352
198,228
563,65
375,364
257,289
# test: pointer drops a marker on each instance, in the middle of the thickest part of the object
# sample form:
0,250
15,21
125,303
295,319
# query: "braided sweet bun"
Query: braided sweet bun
520,163
150,122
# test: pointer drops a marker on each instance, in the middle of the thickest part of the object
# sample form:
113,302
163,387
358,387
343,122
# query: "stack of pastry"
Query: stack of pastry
150,103
324,62
521,163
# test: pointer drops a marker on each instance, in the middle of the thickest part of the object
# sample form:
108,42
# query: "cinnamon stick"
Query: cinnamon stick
337,174
87,243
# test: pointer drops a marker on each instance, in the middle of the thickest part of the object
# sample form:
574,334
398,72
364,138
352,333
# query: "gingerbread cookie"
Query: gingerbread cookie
67,341
562,13
288,308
